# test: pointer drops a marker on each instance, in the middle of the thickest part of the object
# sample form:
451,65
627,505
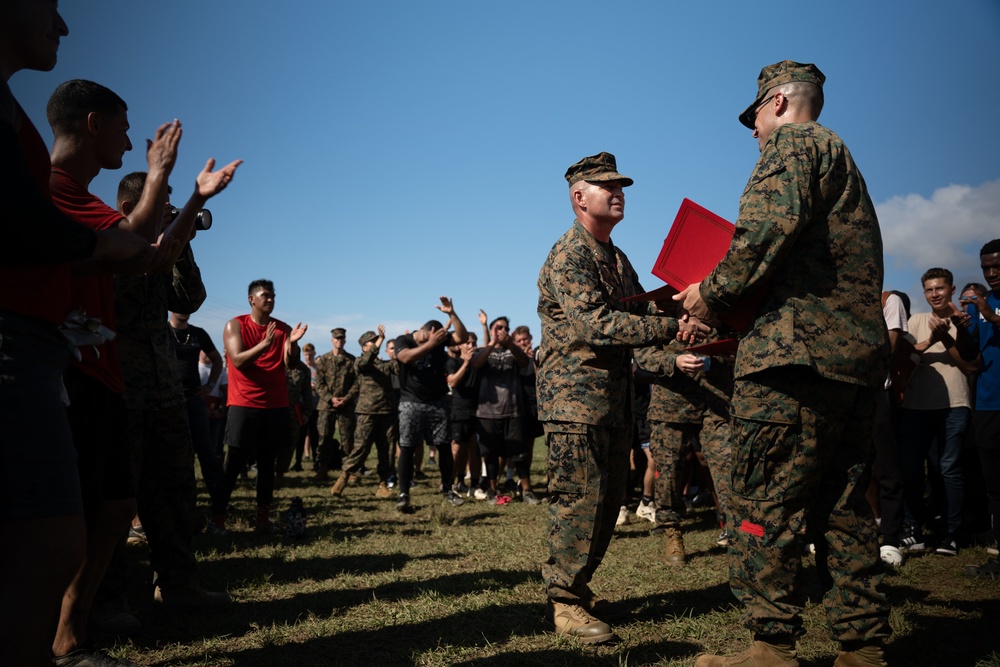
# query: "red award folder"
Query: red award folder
696,243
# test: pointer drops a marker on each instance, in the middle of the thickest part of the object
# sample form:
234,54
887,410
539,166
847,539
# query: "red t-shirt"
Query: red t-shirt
94,293
36,290
264,383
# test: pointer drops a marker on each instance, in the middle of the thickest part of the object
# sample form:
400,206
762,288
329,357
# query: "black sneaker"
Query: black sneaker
988,570
948,547
403,504
912,539
453,498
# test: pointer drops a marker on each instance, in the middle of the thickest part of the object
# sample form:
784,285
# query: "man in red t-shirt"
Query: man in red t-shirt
90,128
258,350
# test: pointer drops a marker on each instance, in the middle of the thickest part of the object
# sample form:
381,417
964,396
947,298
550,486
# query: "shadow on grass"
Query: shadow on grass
401,644
241,617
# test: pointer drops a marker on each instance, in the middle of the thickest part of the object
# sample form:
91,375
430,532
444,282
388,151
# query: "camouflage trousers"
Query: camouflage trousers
283,460
800,446
668,443
163,457
383,431
588,473
344,422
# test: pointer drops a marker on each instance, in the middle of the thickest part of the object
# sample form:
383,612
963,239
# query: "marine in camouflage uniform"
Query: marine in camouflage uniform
159,433
377,411
584,388
684,410
807,246
300,407
335,376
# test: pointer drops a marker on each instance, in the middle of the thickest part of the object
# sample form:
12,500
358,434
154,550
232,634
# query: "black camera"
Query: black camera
202,221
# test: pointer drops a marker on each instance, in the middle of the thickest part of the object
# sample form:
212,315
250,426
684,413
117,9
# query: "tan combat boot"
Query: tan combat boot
354,479
383,491
674,554
340,484
866,656
573,620
322,473
760,654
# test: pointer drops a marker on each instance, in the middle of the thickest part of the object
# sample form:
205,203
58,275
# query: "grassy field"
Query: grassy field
461,586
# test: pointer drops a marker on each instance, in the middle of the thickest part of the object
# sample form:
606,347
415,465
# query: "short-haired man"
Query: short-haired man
310,431
585,390
807,243
90,127
258,350
159,431
335,376
985,328
423,407
936,408
376,414
40,496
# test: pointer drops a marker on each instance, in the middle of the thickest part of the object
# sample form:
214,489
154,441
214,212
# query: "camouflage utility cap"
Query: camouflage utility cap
597,168
367,336
339,332
776,75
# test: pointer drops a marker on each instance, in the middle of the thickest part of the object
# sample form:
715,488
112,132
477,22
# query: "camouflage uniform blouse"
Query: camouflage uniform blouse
335,377
584,372
679,398
807,237
374,383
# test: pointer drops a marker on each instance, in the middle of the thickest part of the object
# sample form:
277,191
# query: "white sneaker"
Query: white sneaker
891,556
479,494
622,516
647,512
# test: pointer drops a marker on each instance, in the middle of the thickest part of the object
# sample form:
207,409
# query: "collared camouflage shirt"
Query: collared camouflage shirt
807,244
584,372
375,393
146,346
335,376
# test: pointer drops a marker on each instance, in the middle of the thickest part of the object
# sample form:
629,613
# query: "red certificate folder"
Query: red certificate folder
696,243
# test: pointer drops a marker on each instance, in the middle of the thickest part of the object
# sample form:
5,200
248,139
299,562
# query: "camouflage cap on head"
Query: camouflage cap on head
596,168
367,336
339,332
777,74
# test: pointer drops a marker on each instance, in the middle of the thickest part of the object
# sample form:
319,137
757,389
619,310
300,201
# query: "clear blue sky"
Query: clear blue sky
397,151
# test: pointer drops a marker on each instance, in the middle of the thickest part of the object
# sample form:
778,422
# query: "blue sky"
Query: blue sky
398,151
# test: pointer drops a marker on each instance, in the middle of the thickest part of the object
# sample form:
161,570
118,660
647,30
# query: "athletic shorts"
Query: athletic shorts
258,430
463,430
38,472
424,422
503,438
99,423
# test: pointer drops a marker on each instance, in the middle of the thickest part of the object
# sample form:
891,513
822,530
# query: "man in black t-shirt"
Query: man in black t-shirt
464,382
189,342
423,407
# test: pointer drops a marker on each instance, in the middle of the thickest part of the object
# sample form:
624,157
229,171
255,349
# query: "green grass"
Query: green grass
461,586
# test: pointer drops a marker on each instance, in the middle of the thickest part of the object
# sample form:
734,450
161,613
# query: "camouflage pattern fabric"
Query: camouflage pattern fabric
335,377
584,387
807,238
684,410
584,362
588,473
146,347
382,430
374,381
300,405
163,457
159,432
800,447
807,243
